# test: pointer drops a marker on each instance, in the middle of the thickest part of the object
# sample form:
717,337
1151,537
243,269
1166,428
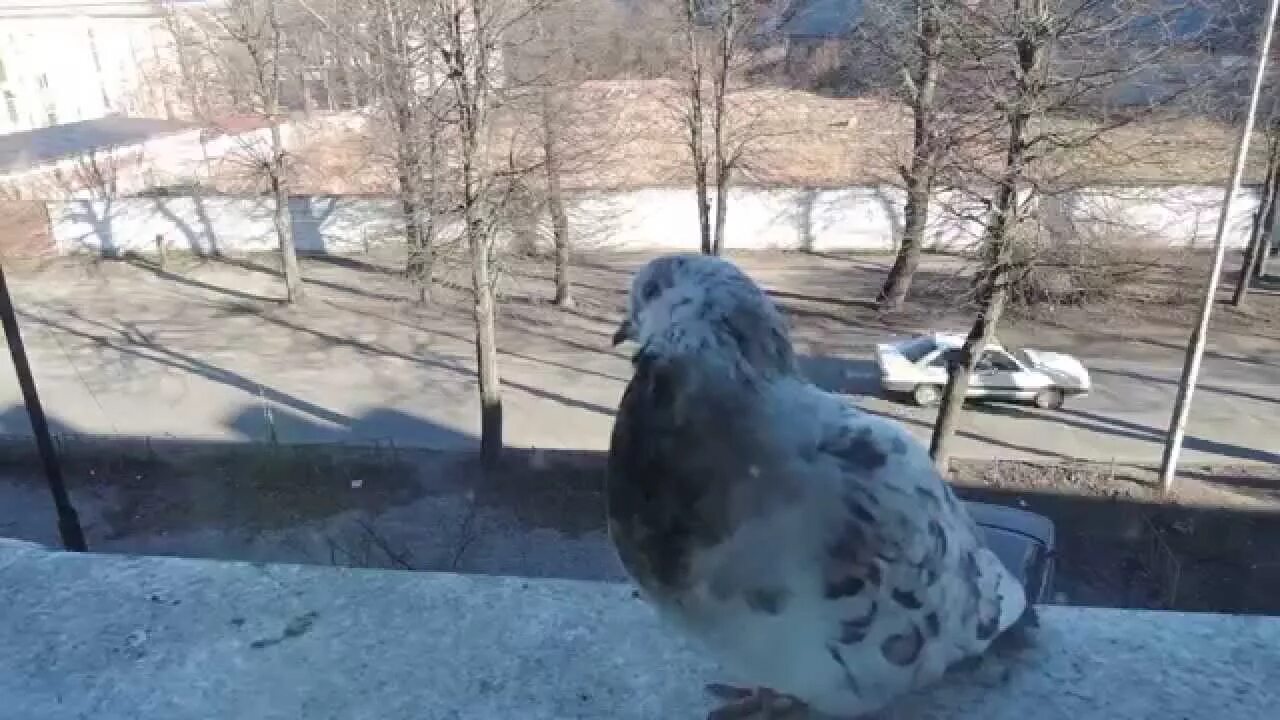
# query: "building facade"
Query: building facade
63,61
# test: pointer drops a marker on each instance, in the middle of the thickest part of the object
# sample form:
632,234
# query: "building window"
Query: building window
11,104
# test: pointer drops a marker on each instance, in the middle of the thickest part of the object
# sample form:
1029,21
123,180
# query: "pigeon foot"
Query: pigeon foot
758,704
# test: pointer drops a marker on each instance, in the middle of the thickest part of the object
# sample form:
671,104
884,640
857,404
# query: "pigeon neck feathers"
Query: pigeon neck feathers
706,309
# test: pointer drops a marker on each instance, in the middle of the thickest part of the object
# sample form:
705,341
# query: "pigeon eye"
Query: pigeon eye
650,290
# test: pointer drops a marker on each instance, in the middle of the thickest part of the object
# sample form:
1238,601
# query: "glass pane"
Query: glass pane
918,348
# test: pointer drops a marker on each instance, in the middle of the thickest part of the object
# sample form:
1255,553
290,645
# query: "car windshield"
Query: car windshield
917,348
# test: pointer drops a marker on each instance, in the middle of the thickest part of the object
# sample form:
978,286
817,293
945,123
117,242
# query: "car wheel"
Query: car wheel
1049,399
927,395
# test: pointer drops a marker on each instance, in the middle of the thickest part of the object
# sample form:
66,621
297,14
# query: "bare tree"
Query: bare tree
550,62
1264,219
405,56
397,37
440,76
551,164
921,73
466,35
1044,114
243,46
695,125
716,35
1032,34
553,56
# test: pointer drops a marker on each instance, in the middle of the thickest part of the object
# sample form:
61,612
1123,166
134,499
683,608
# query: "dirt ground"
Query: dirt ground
542,515
627,134
1120,543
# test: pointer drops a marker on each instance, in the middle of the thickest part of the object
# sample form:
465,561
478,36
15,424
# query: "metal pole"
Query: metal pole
68,521
1195,349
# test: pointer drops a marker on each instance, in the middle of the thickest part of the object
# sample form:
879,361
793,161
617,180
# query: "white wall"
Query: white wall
855,218
870,217
1178,215
216,224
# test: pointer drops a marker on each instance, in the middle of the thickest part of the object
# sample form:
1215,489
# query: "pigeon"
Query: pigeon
811,547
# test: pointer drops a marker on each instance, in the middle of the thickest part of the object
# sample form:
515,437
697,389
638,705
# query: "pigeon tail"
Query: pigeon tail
1019,636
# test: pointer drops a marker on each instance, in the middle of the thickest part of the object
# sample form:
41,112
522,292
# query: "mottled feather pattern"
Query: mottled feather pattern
813,547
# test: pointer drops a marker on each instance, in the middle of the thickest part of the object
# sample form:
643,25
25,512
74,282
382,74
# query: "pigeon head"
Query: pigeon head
698,303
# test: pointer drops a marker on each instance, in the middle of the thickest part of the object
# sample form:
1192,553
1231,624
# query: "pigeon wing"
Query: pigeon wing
911,588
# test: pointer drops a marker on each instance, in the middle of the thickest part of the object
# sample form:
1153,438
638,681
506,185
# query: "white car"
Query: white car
919,366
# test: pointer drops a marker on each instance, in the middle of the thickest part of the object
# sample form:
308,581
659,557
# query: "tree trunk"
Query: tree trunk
1267,252
722,211
431,199
704,203
697,146
266,67
348,86
924,160
486,348
420,256
280,218
1260,236
398,72
471,87
555,201
959,374
326,79
560,231
1032,46
897,284
720,88
992,292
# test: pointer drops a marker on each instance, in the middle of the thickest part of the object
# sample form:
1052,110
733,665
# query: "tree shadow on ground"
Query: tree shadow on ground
348,262
437,363
435,330
360,500
154,268
852,260
825,300
246,264
1099,333
1242,481
1094,422
133,343
1209,387
541,514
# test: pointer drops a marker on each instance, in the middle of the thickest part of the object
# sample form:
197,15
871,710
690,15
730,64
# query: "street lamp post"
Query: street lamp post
68,521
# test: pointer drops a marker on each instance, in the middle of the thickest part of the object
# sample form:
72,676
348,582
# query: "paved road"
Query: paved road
1125,417
202,357
565,400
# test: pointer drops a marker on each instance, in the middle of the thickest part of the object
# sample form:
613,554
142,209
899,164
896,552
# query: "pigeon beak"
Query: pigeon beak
623,334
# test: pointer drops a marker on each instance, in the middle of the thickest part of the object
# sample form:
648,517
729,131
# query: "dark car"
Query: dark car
1024,541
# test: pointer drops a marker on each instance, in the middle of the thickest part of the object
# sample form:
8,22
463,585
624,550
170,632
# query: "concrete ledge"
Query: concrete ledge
135,637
